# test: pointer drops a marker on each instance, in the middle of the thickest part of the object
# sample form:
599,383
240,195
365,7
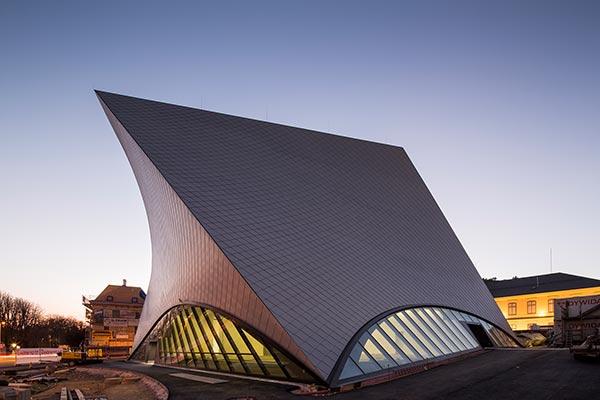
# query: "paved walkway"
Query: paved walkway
498,374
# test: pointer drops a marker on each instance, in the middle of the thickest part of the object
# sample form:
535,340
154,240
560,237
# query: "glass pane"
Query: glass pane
177,342
509,341
194,342
235,336
187,360
459,316
235,363
469,318
272,366
350,370
455,326
218,331
293,369
376,352
264,355
401,342
436,334
448,328
198,332
212,342
462,333
408,335
422,336
363,360
390,348
209,361
443,329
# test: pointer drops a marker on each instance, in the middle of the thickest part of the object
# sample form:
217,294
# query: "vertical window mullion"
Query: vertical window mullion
420,334
191,335
431,328
422,349
185,338
447,329
392,342
278,361
175,336
452,324
252,351
399,337
232,342
466,333
218,340
444,329
206,341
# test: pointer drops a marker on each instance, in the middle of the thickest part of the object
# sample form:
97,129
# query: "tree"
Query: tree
27,326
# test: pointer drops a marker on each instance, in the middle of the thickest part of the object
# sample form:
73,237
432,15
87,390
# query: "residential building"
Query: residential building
113,317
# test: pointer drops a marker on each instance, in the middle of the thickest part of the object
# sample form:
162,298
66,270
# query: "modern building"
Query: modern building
290,254
113,318
528,303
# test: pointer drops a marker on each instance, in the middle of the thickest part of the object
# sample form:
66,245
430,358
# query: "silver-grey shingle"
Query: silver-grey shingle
329,231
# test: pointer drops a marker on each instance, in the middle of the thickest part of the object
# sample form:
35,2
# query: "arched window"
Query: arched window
198,337
416,336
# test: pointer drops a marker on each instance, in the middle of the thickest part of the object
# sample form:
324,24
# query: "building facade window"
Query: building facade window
550,306
512,308
109,298
134,300
531,307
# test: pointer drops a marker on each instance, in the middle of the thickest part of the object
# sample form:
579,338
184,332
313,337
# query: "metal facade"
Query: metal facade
187,266
328,232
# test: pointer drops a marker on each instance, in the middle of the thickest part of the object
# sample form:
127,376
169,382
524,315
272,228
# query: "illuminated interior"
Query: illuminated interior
419,335
524,312
198,337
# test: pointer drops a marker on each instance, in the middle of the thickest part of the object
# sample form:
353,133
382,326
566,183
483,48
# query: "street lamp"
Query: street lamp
2,323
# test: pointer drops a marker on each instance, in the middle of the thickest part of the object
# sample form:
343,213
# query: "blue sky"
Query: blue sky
497,105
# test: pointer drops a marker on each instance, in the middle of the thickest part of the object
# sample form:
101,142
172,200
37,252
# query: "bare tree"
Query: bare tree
27,326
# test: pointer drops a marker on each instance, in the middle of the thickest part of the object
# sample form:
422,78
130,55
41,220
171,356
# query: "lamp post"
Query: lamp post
2,323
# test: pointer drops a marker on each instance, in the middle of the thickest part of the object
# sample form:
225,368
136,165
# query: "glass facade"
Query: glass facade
416,335
198,337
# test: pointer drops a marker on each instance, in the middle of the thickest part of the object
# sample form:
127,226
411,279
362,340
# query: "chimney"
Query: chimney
124,282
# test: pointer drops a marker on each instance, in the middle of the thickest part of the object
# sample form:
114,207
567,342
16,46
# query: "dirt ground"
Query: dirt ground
94,385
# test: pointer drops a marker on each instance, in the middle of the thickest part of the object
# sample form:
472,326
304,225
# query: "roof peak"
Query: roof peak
102,95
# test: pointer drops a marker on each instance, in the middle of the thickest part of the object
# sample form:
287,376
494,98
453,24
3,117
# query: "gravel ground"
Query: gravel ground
93,385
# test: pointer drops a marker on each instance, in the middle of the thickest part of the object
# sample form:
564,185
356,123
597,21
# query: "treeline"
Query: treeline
27,325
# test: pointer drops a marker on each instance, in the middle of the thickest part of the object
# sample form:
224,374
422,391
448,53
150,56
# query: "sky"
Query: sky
497,105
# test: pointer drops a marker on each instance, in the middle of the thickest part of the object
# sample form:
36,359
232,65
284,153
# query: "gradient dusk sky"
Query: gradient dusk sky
498,105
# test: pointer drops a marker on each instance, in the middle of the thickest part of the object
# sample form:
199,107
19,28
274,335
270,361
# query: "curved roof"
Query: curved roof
328,231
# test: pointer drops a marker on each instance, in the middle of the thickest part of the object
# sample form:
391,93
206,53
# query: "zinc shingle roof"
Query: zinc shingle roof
329,231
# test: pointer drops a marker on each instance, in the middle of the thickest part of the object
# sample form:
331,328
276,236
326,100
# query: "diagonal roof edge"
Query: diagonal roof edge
306,359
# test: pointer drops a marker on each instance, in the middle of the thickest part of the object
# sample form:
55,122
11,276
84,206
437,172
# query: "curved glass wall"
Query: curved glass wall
419,335
198,337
